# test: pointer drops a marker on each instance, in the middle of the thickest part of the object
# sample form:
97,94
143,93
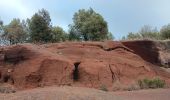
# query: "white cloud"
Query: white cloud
15,6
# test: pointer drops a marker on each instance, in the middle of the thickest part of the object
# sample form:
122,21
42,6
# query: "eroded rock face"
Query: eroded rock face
156,52
164,58
17,54
86,64
144,48
56,72
164,53
2,56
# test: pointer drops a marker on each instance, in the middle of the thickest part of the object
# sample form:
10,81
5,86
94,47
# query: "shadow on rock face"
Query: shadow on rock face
76,71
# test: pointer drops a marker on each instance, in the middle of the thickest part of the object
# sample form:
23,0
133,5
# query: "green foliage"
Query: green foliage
1,23
1,27
151,83
6,89
40,28
15,32
146,32
58,34
74,34
132,36
103,88
165,32
1,31
88,25
110,36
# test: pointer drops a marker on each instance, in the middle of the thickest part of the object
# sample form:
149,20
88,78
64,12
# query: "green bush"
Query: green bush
151,83
103,88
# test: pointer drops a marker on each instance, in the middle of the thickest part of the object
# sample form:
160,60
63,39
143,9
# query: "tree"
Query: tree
148,32
88,25
123,38
40,27
14,32
132,36
110,36
1,32
58,34
1,27
74,34
165,32
1,23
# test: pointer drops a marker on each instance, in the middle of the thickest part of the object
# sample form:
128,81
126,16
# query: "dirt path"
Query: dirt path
60,93
154,94
77,93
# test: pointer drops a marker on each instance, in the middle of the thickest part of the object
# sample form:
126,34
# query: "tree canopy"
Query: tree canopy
1,26
40,26
165,31
88,25
14,32
58,34
1,31
146,32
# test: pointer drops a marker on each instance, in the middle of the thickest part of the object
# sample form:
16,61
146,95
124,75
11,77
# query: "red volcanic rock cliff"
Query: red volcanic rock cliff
85,64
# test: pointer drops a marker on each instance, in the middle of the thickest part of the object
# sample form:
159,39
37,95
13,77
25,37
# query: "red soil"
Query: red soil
101,63
79,93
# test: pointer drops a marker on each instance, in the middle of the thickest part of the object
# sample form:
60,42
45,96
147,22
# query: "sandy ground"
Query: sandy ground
60,93
75,93
153,94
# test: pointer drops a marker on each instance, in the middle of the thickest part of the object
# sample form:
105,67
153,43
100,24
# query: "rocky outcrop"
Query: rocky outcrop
155,52
145,48
164,52
85,64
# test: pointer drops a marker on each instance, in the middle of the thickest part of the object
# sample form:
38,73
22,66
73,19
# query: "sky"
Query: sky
122,16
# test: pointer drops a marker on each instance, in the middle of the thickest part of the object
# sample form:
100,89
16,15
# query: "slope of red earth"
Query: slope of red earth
83,64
